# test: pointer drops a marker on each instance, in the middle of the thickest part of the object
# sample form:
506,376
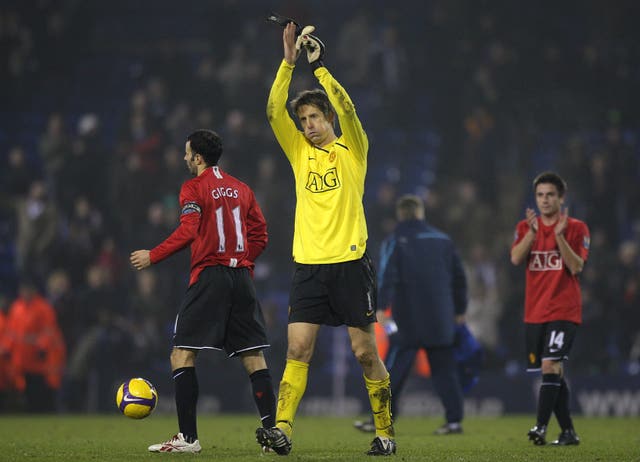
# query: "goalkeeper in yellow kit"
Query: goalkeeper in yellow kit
334,279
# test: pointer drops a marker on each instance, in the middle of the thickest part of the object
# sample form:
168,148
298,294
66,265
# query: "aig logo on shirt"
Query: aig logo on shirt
545,261
317,183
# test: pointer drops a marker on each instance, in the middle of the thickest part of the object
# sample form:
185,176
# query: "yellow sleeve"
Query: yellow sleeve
350,125
283,126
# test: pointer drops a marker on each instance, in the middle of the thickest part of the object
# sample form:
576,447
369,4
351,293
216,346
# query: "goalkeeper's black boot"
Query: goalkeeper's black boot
382,447
538,435
275,439
567,437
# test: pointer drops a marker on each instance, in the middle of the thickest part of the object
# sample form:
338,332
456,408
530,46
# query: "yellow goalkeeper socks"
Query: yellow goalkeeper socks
292,387
380,398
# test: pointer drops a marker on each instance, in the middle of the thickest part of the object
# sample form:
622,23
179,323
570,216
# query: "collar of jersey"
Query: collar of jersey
328,147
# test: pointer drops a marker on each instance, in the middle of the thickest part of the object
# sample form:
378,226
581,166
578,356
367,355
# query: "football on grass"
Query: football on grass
137,398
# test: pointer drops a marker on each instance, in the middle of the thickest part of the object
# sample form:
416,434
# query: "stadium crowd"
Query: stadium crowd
463,102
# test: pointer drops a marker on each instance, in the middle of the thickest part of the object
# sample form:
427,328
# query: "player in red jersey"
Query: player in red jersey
555,248
226,230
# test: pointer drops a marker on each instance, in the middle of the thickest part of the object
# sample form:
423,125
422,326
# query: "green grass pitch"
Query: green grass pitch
231,438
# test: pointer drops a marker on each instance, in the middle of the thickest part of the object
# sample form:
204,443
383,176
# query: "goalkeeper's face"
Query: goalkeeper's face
317,128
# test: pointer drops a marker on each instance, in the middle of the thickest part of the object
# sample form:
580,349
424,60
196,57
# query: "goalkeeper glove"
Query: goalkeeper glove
315,49
283,21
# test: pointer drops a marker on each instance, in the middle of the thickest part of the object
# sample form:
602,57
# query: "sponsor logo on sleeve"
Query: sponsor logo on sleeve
586,242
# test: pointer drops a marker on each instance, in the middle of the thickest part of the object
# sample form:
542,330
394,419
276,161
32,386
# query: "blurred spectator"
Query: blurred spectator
156,228
467,216
37,348
392,62
15,178
148,320
157,98
83,234
485,307
55,146
600,194
178,122
18,61
109,259
37,219
355,34
236,72
172,170
627,275
205,91
84,170
61,296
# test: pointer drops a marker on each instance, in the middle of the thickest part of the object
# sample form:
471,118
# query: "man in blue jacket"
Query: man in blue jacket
421,277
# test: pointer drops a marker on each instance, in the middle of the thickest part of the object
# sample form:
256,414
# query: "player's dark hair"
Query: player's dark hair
551,178
208,144
410,207
315,97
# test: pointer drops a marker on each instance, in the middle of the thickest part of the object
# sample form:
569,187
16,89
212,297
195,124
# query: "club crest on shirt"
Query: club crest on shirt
321,182
545,261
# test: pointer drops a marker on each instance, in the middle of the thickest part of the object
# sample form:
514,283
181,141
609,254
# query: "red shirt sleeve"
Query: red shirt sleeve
186,231
256,230
521,229
581,240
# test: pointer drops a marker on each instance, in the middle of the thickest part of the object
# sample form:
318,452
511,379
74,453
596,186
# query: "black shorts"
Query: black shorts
221,311
334,294
550,340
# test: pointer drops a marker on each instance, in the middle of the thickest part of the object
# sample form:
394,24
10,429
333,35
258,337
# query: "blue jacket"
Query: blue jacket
421,277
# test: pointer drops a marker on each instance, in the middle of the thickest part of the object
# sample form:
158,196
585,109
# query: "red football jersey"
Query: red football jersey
552,292
220,219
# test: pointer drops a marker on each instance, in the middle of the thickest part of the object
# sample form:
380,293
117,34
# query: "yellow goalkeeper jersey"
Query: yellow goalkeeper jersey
330,225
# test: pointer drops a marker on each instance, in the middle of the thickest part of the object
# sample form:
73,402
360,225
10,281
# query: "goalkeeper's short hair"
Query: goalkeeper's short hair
317,98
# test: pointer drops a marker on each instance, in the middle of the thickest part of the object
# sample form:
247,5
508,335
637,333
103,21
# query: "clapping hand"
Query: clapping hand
532,220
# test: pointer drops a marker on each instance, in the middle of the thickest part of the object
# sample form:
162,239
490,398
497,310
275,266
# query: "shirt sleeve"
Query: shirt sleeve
581,241
350,125
521,229
186,232
284,128
256,230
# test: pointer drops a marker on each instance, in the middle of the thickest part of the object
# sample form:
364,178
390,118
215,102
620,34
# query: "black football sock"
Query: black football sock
562,407
186,386
264,397
547,397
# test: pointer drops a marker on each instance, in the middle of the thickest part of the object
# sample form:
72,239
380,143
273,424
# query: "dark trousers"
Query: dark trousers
444,374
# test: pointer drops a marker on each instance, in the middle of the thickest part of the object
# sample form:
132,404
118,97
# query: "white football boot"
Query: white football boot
176,444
